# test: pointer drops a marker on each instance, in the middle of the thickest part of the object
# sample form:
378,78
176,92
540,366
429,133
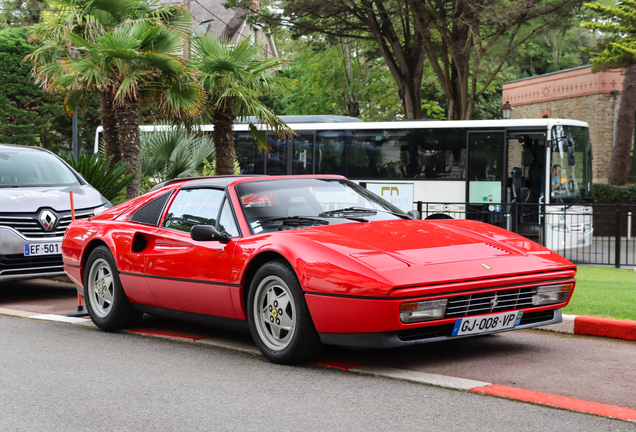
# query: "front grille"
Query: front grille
445,330
490,302
29,226
21,265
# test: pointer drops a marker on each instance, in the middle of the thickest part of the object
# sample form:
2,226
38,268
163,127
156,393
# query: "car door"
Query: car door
189,275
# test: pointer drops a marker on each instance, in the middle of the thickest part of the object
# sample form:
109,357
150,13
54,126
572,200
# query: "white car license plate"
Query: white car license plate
486,323
43,249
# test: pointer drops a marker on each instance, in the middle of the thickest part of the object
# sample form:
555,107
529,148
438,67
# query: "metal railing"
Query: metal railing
583,233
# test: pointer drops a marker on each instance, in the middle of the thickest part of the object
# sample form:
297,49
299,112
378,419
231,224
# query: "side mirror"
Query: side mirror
208,233
569,148
414,214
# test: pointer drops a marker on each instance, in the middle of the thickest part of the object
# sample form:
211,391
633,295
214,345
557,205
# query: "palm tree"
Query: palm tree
130,63
235,78
174,153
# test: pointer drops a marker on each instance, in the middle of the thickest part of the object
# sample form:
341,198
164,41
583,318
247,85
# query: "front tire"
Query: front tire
278,316
106,301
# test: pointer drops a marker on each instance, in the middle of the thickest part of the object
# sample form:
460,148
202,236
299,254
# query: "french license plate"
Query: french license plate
43,249
487,323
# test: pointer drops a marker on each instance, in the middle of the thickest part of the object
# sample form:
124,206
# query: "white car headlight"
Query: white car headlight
550,294
422,311
102,208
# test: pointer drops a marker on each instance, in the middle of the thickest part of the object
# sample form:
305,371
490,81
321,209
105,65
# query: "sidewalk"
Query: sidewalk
595,326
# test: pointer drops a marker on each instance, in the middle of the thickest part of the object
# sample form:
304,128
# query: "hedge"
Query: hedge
609,193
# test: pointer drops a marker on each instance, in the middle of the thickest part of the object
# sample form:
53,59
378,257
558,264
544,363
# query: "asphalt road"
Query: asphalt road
588,368
59,377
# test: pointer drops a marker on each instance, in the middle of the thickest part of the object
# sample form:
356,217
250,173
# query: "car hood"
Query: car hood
410,253
28,200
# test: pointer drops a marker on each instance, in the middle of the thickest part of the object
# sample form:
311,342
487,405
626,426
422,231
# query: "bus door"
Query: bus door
486,182
486,173
526,181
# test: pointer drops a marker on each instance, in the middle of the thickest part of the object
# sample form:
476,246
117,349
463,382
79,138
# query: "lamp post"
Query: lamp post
507,110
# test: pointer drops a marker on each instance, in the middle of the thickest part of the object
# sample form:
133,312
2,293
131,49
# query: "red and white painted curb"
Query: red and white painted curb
594,326
571,324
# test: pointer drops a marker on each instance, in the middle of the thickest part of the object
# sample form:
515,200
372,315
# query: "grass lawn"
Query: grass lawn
604,292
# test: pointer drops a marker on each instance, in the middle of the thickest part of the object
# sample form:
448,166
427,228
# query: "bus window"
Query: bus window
485,172
329,149
303,151
526,150
250,159
570,183
441,154
277,155
379,154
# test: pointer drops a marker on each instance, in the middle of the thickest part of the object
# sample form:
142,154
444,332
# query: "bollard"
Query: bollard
80,312
629,225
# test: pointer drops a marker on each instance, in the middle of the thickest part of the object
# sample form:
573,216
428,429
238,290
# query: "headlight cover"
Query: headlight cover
550,294
422,311
102,208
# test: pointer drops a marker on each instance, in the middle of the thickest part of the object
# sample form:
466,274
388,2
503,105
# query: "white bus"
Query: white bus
455,167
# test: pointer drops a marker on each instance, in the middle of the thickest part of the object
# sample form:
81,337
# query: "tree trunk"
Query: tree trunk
223,120
109,123
127,123
353,108
403,54
410,93
619,165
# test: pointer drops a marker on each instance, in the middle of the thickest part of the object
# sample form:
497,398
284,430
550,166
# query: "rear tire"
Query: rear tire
278,316
106,301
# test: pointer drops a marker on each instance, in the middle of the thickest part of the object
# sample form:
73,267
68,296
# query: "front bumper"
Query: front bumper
428,334
14,265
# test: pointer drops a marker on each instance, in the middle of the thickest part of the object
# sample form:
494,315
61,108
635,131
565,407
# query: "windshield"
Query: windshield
277,205
19,168
570,183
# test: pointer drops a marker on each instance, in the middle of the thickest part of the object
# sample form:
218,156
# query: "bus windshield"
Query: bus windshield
570,182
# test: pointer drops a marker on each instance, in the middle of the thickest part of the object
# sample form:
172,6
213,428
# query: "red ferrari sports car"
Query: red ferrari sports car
302,261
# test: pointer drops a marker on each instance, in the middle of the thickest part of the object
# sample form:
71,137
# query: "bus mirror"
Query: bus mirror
569,148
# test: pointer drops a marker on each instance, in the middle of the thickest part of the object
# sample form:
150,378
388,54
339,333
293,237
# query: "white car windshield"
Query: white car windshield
282,204
27,168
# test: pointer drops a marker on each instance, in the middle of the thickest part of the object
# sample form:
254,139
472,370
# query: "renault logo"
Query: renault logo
48,220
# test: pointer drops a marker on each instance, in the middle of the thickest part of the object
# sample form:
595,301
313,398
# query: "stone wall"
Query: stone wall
596,109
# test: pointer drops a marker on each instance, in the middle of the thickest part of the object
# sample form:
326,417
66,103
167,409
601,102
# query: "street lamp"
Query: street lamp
507,110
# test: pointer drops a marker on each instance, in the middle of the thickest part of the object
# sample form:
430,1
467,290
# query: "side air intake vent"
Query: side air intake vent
151,212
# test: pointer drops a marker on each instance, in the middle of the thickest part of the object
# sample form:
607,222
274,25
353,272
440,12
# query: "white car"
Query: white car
35,209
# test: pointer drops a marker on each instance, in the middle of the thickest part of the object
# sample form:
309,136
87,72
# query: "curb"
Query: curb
571,324
594,326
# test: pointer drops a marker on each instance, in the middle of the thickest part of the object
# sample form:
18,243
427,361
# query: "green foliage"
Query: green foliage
563,47
109,180
604,292
334,75
28,115
236,78
619,23
209,168
609,193
20,13
174,153
130,51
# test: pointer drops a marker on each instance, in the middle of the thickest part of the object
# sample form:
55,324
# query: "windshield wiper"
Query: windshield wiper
291,220
348,210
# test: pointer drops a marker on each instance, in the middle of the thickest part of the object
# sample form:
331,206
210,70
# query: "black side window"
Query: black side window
151,212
